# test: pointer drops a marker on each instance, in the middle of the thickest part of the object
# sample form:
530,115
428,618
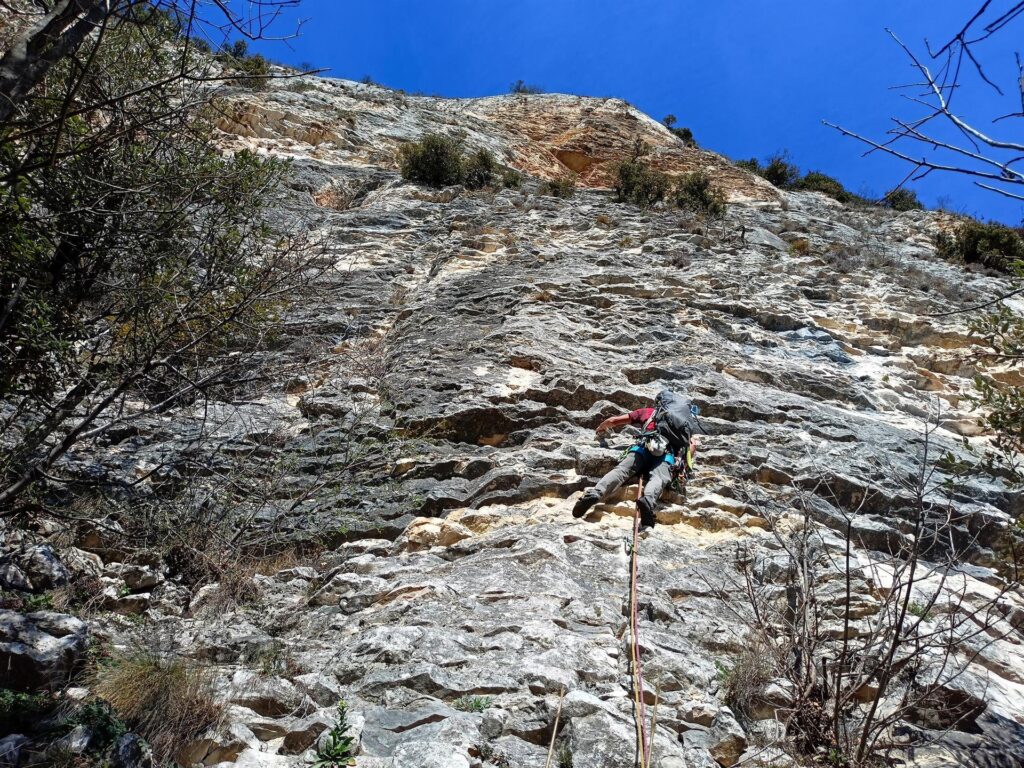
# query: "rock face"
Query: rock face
39,650
547,135
477,339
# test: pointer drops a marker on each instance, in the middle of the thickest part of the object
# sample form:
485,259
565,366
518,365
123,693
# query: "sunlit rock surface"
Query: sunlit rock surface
479,338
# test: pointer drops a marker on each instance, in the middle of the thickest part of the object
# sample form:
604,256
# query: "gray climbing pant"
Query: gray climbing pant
630,468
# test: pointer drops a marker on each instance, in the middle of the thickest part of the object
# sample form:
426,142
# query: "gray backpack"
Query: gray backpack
673,421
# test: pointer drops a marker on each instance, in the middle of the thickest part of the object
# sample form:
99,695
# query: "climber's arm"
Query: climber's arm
612,423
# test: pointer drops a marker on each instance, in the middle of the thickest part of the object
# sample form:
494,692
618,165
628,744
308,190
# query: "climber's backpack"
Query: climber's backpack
673,421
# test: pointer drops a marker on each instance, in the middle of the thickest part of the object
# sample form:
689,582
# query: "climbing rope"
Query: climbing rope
639,709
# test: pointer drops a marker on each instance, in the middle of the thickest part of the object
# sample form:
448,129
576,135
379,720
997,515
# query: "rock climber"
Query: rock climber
663,453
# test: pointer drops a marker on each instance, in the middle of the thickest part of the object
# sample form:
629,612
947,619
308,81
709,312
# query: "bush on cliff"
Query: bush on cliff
434,160
252,72
479,169
815,181
638,183
694,192
903,200
991,245
780,172
683,134
564,187
439,161
785,175
522,88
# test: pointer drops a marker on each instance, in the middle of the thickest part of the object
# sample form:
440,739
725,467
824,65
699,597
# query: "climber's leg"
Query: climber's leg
624,470
658,479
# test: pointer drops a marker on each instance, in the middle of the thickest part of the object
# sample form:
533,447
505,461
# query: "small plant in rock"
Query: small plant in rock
434,160
479,169
40,602
472,703
746,680
638,183
695,192
721,672
338,749
103,723
920,610
169,702
903,200
491,756
564,756
800,247
511,178
564,187
751,165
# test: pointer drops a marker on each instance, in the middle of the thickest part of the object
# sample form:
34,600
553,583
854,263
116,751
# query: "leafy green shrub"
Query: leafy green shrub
564,187
434,160
1002,333
103,723
252,71
683,134
90,306
814,181
479,169
524,88
991,245
749,165
785,175
638,183
903,200
19,711
338,749
694,192
780,172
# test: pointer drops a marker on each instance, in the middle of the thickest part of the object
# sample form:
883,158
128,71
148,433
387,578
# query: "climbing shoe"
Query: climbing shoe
583,505
646,515
646,528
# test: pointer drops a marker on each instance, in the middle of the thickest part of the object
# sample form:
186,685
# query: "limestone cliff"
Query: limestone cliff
477,339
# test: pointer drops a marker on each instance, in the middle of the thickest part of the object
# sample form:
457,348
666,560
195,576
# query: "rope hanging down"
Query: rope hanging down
639,708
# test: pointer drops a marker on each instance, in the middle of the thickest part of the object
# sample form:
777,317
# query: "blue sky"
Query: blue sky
749,77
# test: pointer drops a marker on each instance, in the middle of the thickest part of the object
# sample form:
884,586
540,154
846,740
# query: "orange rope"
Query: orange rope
640,712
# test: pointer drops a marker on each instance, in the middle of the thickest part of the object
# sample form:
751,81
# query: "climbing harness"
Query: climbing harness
639,708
